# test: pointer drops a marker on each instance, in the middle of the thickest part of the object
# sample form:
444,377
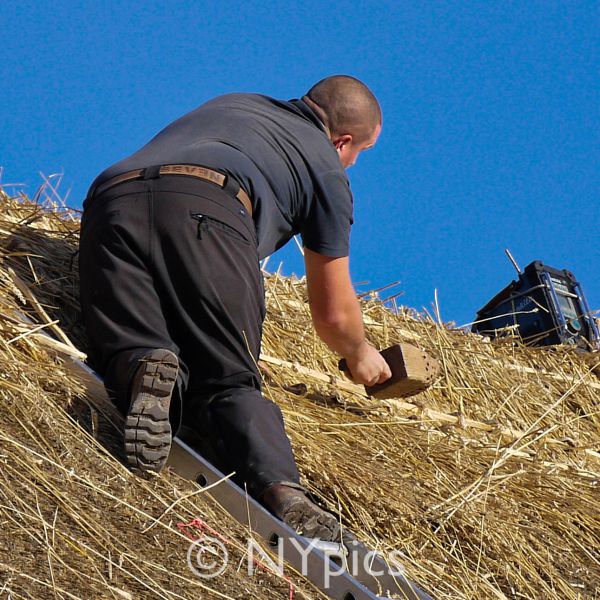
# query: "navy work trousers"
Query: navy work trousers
172,263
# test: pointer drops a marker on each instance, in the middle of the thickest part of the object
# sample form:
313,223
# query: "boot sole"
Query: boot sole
148,433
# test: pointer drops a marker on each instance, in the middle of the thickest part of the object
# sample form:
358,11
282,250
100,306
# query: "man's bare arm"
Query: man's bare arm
337,317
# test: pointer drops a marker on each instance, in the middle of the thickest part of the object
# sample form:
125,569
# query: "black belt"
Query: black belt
189,170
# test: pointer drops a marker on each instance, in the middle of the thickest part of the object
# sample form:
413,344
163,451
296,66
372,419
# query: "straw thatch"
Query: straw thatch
487,483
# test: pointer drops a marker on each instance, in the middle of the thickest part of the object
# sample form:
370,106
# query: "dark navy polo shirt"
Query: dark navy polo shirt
278,152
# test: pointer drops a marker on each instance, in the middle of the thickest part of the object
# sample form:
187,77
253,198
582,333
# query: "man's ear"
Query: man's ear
340,141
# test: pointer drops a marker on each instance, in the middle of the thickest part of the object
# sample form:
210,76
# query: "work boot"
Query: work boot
148,433
292,506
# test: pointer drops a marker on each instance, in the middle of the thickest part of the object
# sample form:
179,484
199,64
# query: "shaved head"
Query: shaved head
347,106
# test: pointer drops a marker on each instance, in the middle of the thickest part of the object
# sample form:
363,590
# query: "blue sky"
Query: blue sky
491,118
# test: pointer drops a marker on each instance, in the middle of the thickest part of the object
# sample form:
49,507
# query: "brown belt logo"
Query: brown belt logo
201,172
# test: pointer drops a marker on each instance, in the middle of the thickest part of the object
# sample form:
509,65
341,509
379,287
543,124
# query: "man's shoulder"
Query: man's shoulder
261,105
242,99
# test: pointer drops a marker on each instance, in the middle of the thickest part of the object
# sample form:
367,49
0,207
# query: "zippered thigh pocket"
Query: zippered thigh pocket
209,224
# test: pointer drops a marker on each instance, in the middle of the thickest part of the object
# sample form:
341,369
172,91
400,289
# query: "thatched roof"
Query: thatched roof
487,483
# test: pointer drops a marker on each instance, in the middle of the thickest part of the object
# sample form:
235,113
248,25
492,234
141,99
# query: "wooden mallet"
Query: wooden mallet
413,371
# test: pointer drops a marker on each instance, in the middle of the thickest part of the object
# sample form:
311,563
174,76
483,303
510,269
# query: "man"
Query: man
171,288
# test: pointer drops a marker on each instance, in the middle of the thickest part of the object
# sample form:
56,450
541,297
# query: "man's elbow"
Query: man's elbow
330,321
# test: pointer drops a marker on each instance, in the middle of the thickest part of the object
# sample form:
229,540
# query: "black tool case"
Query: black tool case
545,306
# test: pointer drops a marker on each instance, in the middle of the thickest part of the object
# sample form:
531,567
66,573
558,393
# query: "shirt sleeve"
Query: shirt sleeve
326,230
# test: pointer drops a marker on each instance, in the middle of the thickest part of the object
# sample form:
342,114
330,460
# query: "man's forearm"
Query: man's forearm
338,319
342,329
335,309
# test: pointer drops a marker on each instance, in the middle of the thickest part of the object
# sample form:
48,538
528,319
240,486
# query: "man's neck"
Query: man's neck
319,112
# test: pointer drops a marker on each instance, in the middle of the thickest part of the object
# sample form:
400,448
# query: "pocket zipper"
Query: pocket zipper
204,224
201,221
